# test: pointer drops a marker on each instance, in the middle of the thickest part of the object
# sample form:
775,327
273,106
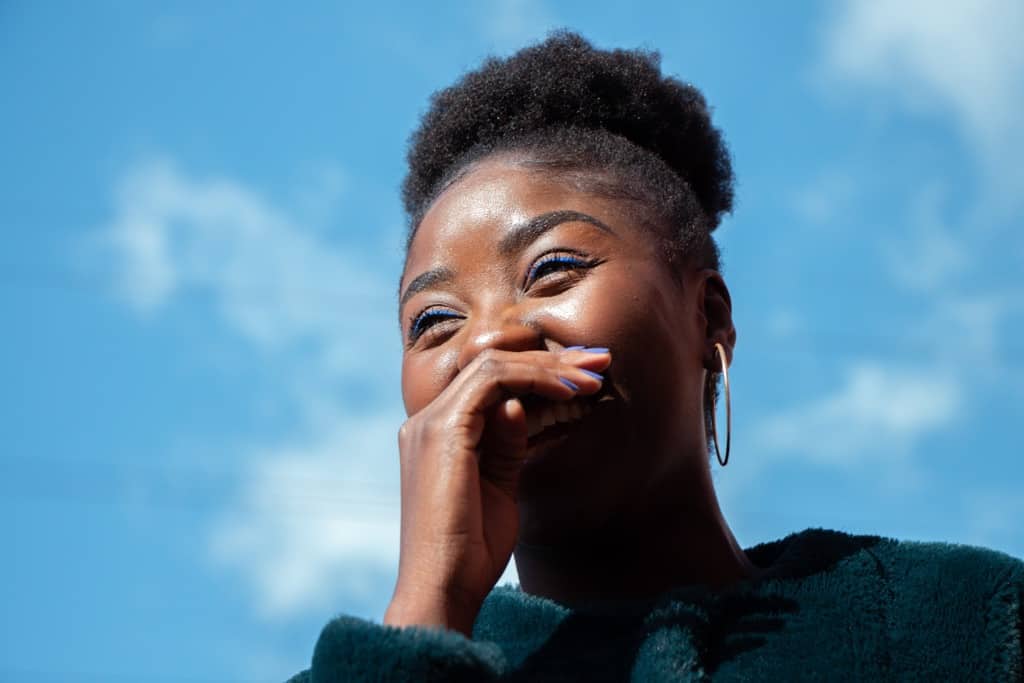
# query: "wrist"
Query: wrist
432,609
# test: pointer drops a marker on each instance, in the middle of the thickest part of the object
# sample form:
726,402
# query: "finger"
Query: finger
591,358
494,381
503,446
564,361
513,416
498,380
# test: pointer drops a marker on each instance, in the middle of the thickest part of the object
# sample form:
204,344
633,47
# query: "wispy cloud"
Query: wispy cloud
276,281
963,58
314,517
877,411
316,522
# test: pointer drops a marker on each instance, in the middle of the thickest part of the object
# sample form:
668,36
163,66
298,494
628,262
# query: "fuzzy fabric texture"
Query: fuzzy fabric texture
830,606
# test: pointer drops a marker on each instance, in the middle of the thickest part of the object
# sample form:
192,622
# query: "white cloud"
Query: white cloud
877,412
317,522
275,281
313,519
885,408
964,57
964,60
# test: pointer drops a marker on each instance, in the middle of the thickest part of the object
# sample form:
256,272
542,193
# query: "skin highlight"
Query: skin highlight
508,269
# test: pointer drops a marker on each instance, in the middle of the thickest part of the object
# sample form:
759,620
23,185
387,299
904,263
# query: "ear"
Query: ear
716,312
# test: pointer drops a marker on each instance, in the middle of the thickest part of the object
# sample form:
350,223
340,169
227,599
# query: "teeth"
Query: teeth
548,414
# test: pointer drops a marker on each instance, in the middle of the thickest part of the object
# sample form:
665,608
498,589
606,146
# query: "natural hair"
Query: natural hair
608,120
605,121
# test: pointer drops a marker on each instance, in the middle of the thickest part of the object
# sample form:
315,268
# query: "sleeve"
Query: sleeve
1020,629
354,650
1016,622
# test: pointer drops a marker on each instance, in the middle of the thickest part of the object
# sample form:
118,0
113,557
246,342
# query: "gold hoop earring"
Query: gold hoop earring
728,410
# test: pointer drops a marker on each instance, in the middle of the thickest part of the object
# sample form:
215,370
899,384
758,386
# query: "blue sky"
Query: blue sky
200,352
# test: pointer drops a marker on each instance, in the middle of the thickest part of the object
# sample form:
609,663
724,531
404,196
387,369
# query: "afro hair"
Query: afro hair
570,106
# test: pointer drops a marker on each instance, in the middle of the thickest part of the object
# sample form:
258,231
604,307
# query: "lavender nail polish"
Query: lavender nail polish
575,348
568,384
596,349
592,374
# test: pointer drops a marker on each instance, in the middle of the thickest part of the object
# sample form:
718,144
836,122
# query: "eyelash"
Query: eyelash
563,261
566,259
416,327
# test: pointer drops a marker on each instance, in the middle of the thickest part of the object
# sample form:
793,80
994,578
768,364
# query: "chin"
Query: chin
576,472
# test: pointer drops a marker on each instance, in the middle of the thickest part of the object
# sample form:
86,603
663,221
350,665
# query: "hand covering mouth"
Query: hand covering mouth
548,418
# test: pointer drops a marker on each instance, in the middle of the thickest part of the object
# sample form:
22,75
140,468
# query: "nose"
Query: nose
507,331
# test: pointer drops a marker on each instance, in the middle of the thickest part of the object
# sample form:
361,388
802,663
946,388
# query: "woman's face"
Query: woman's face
509,258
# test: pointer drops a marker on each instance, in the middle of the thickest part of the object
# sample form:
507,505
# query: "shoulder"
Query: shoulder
814,551
955,553
939,577
950,565
950,609
957,602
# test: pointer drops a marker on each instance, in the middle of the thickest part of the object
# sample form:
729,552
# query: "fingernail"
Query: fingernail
596,349
569,384
595,375
575,348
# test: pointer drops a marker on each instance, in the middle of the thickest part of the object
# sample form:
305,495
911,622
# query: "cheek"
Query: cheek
596,312
642,319
424,377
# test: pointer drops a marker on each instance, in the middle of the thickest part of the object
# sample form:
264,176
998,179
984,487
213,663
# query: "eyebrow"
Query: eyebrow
426,280
526,233
517,239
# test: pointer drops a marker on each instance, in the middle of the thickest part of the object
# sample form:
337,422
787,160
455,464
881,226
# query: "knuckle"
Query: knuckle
489,353
406,439
405,432
413,430
488,363
418,435
430,429
420,428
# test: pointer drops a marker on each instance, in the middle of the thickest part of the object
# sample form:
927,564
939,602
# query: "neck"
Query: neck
640,553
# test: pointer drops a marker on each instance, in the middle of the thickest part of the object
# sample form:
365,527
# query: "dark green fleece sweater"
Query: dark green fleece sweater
830,606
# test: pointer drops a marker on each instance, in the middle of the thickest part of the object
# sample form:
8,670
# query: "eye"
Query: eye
424,320
556,262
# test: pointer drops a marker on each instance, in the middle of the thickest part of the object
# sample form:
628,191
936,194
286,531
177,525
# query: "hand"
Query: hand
460,461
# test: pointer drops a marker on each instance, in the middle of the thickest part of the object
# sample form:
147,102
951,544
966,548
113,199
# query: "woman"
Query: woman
565,329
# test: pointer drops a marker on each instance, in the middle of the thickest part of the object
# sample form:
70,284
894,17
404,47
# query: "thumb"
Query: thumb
503,446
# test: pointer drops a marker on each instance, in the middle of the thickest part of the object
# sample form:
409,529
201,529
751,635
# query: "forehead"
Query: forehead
475,212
